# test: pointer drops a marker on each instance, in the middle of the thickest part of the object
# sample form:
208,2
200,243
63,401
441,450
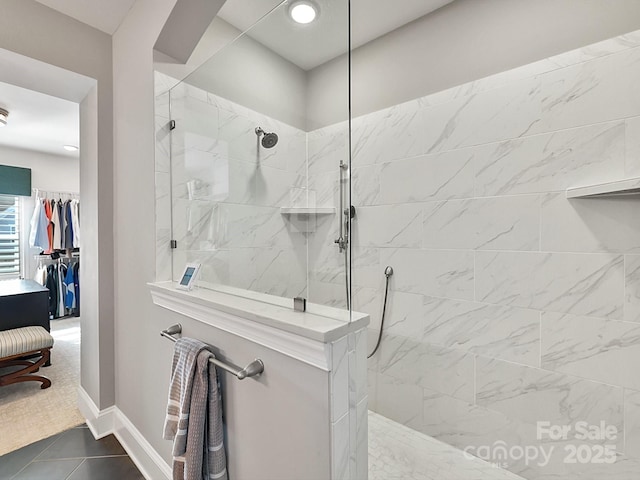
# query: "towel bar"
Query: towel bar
253,369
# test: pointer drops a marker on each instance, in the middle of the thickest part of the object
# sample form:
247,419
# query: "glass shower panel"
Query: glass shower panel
255,154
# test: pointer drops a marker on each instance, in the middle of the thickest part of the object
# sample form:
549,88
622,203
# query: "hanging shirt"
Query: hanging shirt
63,224
52,286
68,230
41,275
75,220
76,284
62,273
35,218
57,232
69,290
38,236
49,213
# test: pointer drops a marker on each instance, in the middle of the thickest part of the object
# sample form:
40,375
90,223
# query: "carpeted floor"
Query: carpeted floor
28,413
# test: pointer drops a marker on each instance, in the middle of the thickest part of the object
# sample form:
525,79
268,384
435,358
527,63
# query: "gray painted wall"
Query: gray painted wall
461,42
33,30
250,74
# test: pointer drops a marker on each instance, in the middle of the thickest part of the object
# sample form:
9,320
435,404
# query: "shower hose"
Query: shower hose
387,273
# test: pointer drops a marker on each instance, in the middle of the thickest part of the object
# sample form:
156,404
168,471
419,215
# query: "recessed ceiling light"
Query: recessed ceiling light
303,12
4,117
70,148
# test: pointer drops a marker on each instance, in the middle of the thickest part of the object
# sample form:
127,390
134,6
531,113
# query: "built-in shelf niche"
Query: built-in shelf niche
628,186
305,219
307,210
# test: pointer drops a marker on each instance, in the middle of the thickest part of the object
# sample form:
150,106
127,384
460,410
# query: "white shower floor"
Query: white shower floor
397,452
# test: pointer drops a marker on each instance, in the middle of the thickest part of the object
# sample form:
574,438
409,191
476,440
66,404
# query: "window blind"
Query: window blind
9,236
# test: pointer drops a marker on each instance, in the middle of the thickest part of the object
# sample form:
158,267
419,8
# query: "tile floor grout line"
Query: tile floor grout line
75,469
76,458
59,435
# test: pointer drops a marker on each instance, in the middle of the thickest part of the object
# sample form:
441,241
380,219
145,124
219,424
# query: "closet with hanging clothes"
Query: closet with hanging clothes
55,230
61,276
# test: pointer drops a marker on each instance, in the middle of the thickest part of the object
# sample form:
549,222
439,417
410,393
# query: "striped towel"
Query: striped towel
194,415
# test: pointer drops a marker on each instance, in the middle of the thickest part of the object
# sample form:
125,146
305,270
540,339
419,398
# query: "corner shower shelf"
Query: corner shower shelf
628,186
307,211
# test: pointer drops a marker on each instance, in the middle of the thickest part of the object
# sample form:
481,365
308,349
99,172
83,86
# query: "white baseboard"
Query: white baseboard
112,421
100,422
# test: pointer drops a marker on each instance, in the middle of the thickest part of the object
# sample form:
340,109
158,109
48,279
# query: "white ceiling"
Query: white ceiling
314,44
105,15
39,122
307,46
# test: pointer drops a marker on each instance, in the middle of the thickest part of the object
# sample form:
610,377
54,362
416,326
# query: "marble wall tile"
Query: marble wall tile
327,147
388,226
252,226
330,294
597,50
532,395
214,266
362,441
366,269
163,136
162,83
340,451
237,132
163,255
623,469
439,273
277,271
360,372
198,224
388,134
163,200
574,95
430,177
404,316
194,116
553,161
238,185
632,144
339,379
632,423
506,333
632,288
593,348
365,185
490,116
590,225
442,369
326,188
464,424
497,223
399,401
273,186
584,284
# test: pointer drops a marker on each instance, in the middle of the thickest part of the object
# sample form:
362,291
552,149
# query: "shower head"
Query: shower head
388,271
269,140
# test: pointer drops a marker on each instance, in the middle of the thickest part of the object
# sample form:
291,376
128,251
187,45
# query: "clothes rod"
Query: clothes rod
253,369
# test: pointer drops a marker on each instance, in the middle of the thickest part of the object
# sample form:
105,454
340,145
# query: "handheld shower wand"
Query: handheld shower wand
388,272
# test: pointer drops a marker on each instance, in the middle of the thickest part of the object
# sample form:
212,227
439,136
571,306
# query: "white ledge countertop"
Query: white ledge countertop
319,323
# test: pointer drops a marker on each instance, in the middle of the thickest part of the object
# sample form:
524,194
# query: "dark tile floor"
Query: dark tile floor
70,455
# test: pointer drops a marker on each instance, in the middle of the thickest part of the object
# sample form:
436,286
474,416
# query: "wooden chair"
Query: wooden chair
18,343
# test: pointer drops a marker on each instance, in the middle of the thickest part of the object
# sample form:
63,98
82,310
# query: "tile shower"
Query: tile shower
510,304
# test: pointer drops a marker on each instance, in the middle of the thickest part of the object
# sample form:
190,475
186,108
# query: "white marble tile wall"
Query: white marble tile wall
509,304
226,193
349,422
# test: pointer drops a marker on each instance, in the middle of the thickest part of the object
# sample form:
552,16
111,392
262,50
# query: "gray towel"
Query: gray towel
194,414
